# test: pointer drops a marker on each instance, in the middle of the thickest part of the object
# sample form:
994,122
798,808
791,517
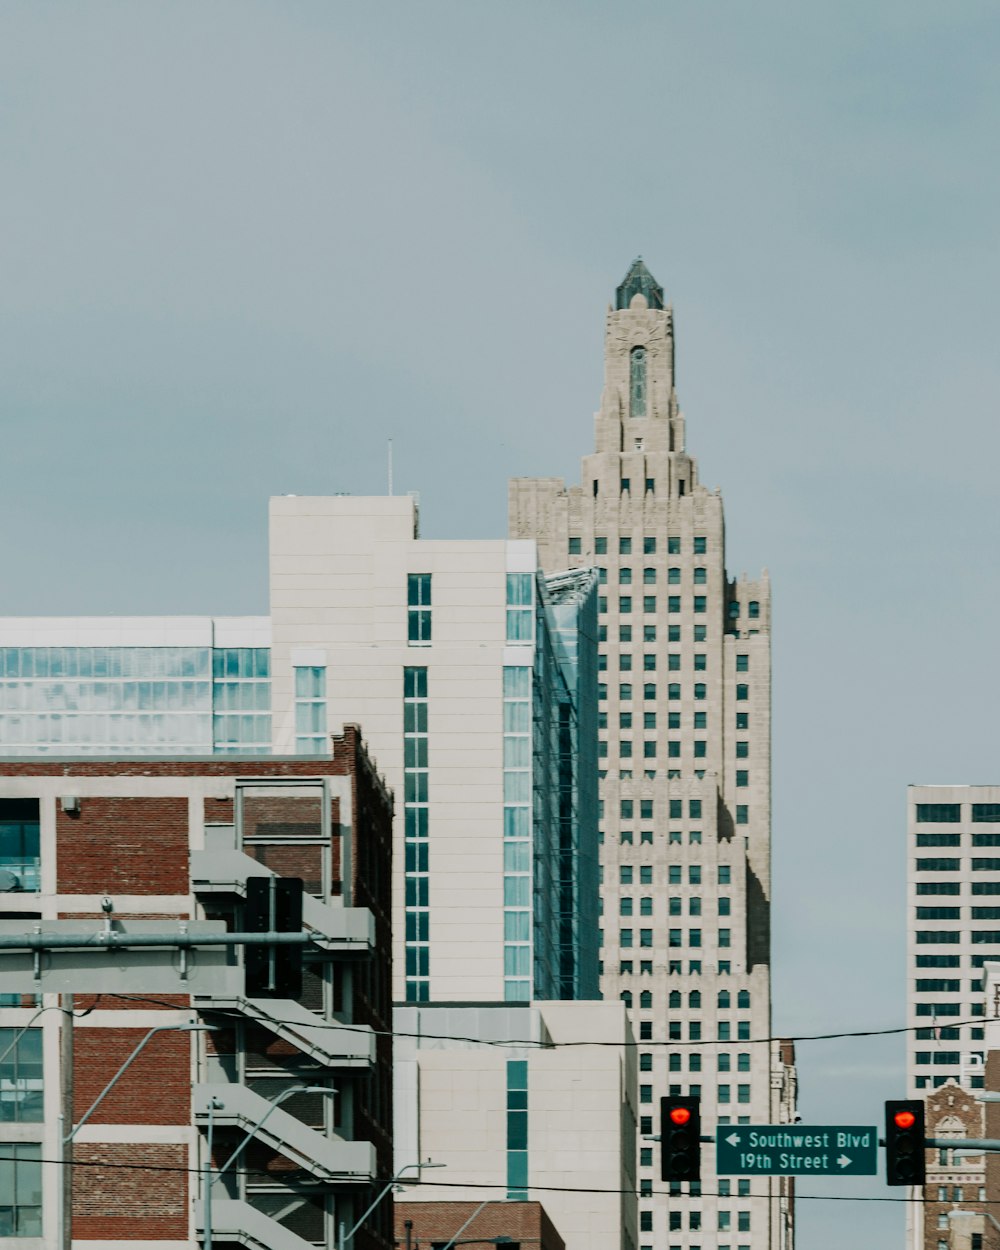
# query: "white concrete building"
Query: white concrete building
685,769
952,930
449,654
552,1113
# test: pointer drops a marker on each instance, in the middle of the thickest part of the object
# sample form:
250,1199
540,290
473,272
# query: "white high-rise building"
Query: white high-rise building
952,933
952,930
685,769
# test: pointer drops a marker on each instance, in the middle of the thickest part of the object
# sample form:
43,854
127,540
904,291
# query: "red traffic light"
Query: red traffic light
904,1119
680,1115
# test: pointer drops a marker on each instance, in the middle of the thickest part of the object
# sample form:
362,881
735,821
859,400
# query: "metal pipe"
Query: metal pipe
213,1105
121,941
982,1144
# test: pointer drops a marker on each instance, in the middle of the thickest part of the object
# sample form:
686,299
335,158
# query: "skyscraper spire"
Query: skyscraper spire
639,281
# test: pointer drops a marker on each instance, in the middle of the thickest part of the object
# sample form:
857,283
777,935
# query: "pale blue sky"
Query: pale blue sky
241,244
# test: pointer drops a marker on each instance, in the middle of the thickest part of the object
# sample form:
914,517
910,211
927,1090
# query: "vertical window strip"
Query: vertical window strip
310,710
520,607
637,382
517,1130
418,609
517,834
415,816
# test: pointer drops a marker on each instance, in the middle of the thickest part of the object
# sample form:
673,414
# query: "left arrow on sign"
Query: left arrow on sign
733,1139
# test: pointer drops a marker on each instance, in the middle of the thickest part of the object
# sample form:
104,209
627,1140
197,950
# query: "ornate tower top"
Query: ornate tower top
639,281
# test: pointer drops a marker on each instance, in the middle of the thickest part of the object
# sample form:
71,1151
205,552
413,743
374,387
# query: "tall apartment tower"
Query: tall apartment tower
684,768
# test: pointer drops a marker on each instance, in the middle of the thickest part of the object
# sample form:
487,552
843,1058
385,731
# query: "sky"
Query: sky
244,244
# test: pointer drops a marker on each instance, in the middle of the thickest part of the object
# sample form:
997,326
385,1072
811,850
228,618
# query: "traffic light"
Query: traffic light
904,1142
274,905
680,1139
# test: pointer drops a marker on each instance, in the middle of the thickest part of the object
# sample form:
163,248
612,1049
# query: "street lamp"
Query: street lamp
344,1238
958,1213
215,1104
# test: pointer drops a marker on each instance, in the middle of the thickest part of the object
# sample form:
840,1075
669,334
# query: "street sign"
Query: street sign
795,1150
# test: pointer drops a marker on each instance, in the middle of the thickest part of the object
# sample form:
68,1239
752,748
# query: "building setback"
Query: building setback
160,845
684,769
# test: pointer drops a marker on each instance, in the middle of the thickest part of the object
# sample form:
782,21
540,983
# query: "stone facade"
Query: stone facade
685,773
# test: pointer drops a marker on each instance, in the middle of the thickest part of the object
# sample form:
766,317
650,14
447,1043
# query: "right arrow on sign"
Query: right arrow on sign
843,1161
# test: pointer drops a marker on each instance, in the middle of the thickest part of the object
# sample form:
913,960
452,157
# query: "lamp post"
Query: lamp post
214,1104
958,1213
344,1238
485,1203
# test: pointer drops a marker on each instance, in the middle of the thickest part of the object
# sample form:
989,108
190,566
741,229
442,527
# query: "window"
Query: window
649,576
700,545
624,633
701,720
624,604
986,813
574,547
742,778
700,690
939,813
20,849
626,485
625,691
625,575
625,662
742,814
310,711
649,604
519,607
646,1001
742,720
418,599
724,906
625,906
601,546
743,664
700,603
700,576
946,865
753,609
20,1080
625,548
21,1191
743,1221
742,692
625,874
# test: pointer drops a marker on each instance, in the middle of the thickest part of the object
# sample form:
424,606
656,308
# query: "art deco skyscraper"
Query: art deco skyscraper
685,746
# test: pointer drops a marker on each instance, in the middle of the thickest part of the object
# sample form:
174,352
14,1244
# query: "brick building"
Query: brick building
299,1087
426,1225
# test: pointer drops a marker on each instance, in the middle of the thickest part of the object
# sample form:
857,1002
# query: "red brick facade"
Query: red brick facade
121,844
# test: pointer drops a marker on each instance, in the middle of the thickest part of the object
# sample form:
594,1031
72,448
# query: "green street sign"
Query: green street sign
795,1150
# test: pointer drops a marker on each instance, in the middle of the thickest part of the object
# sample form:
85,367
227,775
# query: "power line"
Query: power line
422,1184
531,1043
